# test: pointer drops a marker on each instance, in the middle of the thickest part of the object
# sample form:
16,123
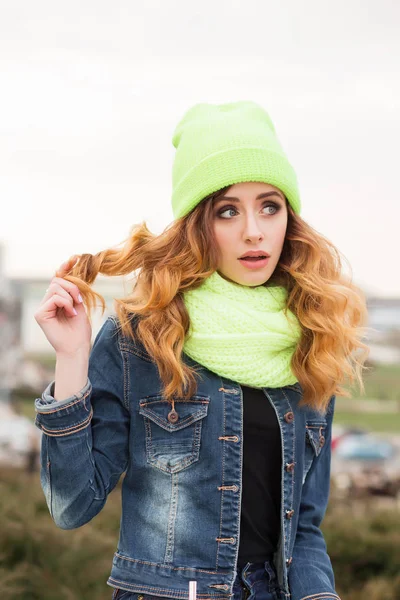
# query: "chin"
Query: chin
248,279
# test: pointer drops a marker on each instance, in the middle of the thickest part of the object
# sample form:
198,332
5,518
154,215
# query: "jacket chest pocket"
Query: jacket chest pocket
315,440
173,434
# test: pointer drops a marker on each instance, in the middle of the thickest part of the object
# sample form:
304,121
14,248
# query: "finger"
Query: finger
68,286
56,288
49,309
53,289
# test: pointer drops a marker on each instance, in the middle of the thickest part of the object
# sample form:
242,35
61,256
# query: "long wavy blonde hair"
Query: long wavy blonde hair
331,310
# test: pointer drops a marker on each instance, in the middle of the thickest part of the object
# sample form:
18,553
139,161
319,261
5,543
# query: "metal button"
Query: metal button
289,467
289,514
289,417
173,416
321,441
289,560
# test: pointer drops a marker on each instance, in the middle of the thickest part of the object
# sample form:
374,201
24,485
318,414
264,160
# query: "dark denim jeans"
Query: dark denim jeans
254,581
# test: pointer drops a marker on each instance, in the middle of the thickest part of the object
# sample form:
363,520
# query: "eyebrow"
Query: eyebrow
259,197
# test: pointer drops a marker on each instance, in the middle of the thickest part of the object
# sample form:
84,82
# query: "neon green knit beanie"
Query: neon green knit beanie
219,145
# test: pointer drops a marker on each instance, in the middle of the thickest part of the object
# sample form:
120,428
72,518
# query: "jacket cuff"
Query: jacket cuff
63,417
47,403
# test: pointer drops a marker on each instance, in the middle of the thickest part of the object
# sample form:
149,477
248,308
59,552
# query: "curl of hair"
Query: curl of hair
331,310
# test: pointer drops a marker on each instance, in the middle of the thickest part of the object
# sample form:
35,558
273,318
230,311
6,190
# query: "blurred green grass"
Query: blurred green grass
41,562
378,422
382,382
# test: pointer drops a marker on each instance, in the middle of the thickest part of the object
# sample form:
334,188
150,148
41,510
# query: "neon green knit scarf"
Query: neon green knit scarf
241,332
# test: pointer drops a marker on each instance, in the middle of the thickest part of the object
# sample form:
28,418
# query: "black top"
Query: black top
261,479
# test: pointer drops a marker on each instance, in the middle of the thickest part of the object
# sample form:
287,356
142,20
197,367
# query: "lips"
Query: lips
259,254
253,257
254,262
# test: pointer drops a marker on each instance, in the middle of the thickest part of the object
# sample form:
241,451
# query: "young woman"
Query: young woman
212,387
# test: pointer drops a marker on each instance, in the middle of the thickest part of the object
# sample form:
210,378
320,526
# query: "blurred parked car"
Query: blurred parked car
365,464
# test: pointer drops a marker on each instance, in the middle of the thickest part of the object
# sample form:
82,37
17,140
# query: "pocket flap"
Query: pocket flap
157,410
315,432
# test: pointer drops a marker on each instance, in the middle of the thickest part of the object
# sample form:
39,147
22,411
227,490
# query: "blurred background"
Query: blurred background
90,95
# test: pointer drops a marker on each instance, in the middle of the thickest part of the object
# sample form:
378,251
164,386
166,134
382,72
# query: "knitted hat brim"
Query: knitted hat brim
235,165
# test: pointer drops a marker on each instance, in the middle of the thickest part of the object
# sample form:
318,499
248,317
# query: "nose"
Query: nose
252,231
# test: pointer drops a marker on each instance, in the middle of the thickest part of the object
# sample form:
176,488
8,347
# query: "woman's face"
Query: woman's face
250,216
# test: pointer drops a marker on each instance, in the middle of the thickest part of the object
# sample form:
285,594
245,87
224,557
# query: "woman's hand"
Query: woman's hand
62,315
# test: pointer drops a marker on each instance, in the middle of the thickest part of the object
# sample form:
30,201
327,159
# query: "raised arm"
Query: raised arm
85,436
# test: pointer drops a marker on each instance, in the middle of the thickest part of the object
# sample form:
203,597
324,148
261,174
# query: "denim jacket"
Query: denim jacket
181,493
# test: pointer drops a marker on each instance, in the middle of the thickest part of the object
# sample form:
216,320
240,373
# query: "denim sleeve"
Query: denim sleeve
85,437
310,573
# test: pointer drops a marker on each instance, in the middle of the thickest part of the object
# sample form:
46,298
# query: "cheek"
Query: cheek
280,240
223,237
280,233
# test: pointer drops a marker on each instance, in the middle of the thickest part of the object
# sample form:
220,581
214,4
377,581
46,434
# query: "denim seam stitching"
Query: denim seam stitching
238,517
126,377
294,453
69,430
149,446
171,519
183,463
125,399
158,399
143,590
321,596
61,429
283,530
223,478
185,422
285,537
136,351
152,564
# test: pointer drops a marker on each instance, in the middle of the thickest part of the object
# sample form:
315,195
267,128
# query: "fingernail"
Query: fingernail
74,311
80,298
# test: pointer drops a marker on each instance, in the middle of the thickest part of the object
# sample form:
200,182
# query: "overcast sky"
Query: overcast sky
91,91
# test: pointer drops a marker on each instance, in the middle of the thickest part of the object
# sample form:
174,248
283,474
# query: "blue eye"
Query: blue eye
275,206
225,209
221,212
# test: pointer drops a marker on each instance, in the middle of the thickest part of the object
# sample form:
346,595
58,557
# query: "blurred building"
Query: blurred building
30,291
22,341
10,333
384,329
